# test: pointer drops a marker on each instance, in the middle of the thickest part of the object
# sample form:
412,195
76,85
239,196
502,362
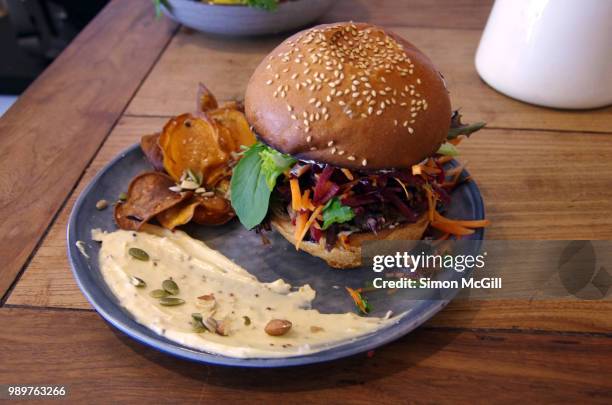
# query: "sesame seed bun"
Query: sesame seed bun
349,257
351,95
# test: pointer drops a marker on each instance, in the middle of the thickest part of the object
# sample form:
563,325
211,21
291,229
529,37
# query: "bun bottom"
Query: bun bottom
347,258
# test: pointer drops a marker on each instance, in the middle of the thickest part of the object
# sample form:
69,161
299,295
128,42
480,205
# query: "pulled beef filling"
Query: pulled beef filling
379,200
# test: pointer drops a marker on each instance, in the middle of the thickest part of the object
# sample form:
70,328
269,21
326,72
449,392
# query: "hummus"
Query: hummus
215,289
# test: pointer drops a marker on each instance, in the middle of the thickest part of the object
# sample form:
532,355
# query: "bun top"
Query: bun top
351,95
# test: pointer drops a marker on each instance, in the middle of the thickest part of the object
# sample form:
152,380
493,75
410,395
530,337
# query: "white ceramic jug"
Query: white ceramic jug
555,53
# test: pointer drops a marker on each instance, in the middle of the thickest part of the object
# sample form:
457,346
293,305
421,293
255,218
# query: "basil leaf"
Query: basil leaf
274,164
253,180
448,149
335,212
249,191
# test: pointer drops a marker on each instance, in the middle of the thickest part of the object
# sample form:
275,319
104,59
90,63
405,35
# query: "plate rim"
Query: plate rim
391,333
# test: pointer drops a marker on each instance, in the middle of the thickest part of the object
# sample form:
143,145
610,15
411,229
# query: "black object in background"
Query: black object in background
34,32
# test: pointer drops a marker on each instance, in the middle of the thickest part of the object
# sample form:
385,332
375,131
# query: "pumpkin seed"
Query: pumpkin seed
171,301
158,294
210,324
277,327
102,204
170,286
123,197
139,254
137,282
198,326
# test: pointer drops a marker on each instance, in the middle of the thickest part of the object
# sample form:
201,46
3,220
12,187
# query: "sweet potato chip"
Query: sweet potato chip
148,195
178,215
213,210
233,105
236,123
205,99
150,147
210,210
189,142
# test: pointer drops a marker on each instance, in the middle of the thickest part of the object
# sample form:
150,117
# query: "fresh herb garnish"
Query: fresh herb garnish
253,180
335,212
458,128
273,164
448,149
362,304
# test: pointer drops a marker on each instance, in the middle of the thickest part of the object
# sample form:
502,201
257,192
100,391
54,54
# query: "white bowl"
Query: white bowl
238,20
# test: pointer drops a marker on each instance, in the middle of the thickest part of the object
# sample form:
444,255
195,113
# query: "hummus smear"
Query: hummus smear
217,306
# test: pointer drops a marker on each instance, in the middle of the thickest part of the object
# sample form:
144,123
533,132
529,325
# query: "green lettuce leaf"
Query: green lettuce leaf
448,149
274,164
335,212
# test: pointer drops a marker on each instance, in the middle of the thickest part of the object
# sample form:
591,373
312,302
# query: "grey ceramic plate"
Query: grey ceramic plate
267,262
240,20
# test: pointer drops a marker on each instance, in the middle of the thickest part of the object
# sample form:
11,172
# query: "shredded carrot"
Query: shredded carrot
445,236
307,202
457,140
300,222
452,228
301,232
431,201
347,173
444,159
430,170
296,195
356,296
466,224
343,239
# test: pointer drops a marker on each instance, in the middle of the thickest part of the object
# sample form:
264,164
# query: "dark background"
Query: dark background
34,32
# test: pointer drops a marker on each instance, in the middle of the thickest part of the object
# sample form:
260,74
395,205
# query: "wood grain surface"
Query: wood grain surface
226,66
457,14
429,365
49,136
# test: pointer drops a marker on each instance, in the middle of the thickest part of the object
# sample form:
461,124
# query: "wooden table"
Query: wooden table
544,174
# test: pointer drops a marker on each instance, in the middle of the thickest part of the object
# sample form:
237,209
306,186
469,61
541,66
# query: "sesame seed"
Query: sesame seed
333,150
340,152
308,138
351,157
364,162
269,82
411,130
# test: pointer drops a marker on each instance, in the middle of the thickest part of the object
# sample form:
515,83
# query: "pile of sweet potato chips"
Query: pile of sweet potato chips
193,158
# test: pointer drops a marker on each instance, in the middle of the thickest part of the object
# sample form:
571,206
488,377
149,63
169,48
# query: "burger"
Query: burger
351,121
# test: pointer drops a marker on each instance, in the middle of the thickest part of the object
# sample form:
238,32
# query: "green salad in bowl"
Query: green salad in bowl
243,17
